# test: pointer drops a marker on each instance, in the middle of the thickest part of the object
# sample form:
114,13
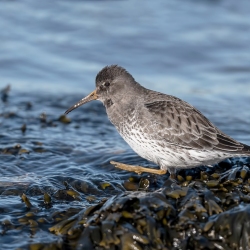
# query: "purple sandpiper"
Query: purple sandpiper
160,128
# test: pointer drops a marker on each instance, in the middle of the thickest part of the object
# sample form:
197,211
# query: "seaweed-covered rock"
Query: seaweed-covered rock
182,215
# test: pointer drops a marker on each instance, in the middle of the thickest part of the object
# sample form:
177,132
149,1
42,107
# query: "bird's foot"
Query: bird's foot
138,169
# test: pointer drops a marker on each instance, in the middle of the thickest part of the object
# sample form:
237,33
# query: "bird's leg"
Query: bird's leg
173,176
172,172
138,169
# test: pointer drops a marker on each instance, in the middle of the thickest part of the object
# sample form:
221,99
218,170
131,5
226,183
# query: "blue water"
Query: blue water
50,53
185,48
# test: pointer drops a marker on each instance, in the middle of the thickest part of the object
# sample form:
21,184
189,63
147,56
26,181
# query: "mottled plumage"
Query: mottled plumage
161,128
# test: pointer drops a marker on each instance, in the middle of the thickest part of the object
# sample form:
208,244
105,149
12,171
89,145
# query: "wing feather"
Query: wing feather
185,126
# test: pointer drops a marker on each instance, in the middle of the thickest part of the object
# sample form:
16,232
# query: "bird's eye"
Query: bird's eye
106,84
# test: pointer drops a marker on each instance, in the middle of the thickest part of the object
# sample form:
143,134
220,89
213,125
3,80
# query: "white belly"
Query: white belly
171,156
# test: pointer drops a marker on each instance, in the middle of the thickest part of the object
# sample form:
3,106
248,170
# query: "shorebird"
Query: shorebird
160,128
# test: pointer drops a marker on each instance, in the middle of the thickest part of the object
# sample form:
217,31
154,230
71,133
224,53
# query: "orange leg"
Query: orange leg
138,169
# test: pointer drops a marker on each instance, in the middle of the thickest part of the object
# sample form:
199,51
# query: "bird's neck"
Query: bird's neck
120,106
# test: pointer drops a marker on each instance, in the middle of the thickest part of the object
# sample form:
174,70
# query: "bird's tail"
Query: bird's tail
246,149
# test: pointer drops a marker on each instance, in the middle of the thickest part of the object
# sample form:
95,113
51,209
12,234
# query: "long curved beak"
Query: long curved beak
92,96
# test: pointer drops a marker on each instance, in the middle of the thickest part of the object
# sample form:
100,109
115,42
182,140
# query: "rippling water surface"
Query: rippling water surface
50,54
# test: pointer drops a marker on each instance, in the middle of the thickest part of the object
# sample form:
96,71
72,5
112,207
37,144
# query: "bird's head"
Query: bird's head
113,83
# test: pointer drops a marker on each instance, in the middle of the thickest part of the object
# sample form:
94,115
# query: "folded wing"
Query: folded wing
181,124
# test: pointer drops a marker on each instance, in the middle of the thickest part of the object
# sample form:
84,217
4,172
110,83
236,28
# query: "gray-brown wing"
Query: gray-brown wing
181,124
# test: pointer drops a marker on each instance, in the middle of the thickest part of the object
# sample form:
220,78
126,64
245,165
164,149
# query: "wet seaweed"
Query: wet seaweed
203,214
